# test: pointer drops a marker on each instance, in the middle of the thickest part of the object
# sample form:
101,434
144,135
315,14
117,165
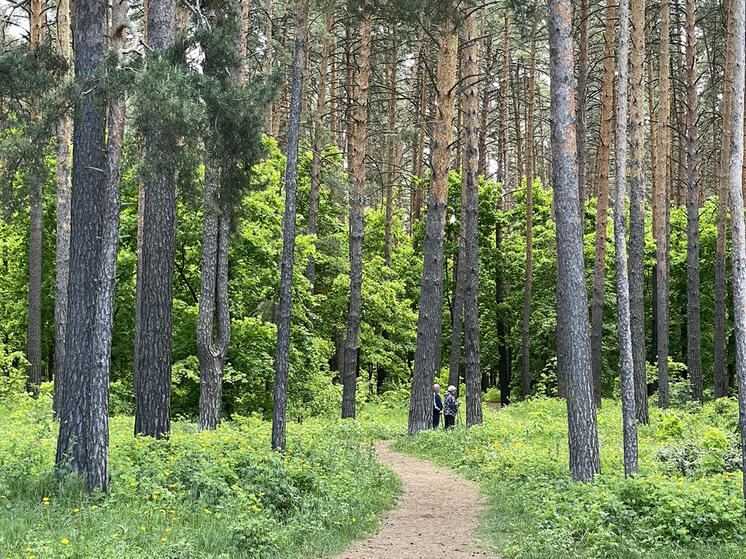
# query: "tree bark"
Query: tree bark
581,109
357,146
661,253
62,250
720,353
736,42
282,361
601,188
574,344
36,180
318,147
637,207
470,186
626,361
693,342
153,395
84,390
268,62
429,322
392,166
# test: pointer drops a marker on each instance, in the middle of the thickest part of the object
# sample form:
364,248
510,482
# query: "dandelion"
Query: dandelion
116,535
94,507
76,510
64,541
142,528
354,519
163,539
208,511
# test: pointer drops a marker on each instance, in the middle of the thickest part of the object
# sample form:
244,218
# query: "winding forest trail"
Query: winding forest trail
435,517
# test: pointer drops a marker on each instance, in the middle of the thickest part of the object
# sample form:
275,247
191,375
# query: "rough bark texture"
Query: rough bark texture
486,92
282,360
431,290
470,182
601,188
693,341
735,187
626,361
581,110
574,351
268,62
98,429
153,394
457,309
637,206
318,146
391,165
720,354
36,179
661,251
356,169
62,249
88,181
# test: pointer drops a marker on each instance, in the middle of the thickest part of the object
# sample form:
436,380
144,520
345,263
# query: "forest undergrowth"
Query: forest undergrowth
222,494
686,501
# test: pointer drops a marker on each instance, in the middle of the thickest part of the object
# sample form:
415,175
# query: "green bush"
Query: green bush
687,496
198,495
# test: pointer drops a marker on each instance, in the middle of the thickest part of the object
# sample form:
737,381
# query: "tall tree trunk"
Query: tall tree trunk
720,370
693,342
429,322
637,207
574,351
153,395
470,182
98,429
36,180
489,63
62,250
626,361
661,252
457,309
318,146
581,109
653,149
422,124
282,361
530,125
735,187
84,390
357,145
601,188
268,62
392,165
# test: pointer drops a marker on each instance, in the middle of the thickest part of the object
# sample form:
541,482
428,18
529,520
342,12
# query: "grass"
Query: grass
221,494
687,499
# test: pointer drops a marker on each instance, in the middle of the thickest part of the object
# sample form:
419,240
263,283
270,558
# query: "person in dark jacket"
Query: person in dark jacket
437,406
450,407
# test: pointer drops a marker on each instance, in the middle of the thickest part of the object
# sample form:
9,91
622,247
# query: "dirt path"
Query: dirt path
435,516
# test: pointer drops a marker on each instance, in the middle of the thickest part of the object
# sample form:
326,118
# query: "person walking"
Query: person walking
437,406
450,407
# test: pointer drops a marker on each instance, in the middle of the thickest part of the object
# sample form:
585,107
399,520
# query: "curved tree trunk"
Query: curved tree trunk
357,143
430,317
637,207
574,351
601,187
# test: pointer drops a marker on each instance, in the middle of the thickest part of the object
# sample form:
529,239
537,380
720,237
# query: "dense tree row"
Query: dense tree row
445,185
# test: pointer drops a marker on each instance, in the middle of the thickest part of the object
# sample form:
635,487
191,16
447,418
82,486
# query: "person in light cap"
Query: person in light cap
450,407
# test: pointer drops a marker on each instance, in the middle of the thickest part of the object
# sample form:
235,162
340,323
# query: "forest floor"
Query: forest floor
436,514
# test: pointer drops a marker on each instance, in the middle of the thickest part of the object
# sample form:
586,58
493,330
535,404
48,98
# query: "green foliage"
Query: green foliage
687,496
198,495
